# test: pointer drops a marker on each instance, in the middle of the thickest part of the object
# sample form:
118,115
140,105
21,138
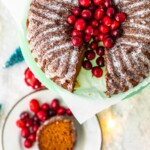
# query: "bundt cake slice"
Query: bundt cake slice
128,62
58,133
49,37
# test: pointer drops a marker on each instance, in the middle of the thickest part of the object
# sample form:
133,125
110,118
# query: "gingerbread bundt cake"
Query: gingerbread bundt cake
58,133
127,62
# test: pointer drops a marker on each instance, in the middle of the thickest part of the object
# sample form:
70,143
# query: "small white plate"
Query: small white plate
89,133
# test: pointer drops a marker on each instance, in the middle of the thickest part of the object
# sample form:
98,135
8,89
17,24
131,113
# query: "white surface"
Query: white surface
132,116
89,134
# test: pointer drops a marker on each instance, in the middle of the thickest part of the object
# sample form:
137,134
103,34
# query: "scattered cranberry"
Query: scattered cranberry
115,25
28,143
54,104
29,122
84,3
34,105
100,51
89,30
51,113
87,38
94,45
77,33
86,14
71,19
120,17
61,111
45,107
94,23
96,32
110,11
76,11
34,128
99,13
24,115
108,43
68,112
97,72
32,137
77,41
35,118
87,65
103,29
25,132
107,21
100,61
97,2
42,115
20,123
108,3
80,24
116,33
90,55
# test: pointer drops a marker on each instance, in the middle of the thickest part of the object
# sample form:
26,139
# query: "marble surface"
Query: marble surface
132,117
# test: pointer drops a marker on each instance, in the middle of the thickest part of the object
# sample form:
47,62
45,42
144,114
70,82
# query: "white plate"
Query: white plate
89,133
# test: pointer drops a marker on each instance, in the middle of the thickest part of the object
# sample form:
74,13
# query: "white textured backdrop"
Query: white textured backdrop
132,128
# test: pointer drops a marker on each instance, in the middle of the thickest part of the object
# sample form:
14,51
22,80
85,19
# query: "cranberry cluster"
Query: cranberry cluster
30,122
95,22
30,80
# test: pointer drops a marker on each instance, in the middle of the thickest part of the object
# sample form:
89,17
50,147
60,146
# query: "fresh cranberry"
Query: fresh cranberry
96,32
103,29
108,43
86,14
110,11
42,115
77,33
24,115
32,137
100,61
101,36
76,11
97,72
100,51
107,21
99,13
94,45
51,113
114,25
120,17
35,118
116,33
28,143
29,122
25,132
20,123
87,38
89,30
68,112
92,7
55,104
45,107
34,105
71,19
61,111
96,38
94,23
77,41
97,2
80,24
108,3
87,65
90,55
84,3
34,128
